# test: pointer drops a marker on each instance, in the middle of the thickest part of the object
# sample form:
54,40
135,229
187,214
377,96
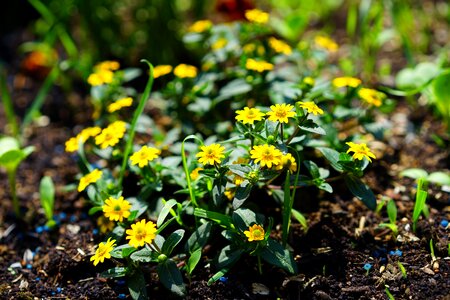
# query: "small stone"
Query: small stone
23,284
444,223
260,289
382,268
427,271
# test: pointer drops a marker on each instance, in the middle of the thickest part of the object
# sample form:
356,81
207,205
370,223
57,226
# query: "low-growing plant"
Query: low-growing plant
11,155
419,204
391,209
47,197
243,136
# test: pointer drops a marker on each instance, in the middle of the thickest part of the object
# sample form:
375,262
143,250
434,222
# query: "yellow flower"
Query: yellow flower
211,154
108,137
144,156
89,178
281,113
109,65
326,43
117,105
161,70
248,48
279,46
258,66
266,155
311,107
100,77
238,180
194,174
88,132
257,16
219,44
200,26
140,233
309,81
119,126
116,209
229,193
371,96
360,151
249,115
346,81
72,144
288,161
103,251
185,71
255,233
105,224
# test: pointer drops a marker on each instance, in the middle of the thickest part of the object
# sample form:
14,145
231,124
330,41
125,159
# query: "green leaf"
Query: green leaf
241,170
392,211
8,143
419,76
122,251
172,241
228,256
115,272
219,185
414,173
312,168
137,285
94,209
300,218
312,127
222,219
170,277
165,211
361,191
421,197
440,89
243,218
138,205
193,260
235,87
440,178
11,159
217,276
242,193
332,156
47,193
325,187
199,237
276,255
143,255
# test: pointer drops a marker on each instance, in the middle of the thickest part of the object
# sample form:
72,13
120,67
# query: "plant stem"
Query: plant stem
12,186
137,113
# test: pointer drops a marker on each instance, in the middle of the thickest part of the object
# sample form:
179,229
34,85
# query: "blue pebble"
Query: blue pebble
73,218
38,278
39,229
46,228
62,215
53,293
58,290
29,266
367,267
223,279
121,296
444,223
398,252
95,231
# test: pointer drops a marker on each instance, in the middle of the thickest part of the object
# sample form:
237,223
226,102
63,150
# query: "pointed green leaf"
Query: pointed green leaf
170,277
361,191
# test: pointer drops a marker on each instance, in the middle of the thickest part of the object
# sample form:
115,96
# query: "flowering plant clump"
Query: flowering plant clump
251,120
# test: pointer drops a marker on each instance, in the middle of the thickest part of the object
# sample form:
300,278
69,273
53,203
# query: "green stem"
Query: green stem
40,97
137,113
12,186
8,106
186,171
287,209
